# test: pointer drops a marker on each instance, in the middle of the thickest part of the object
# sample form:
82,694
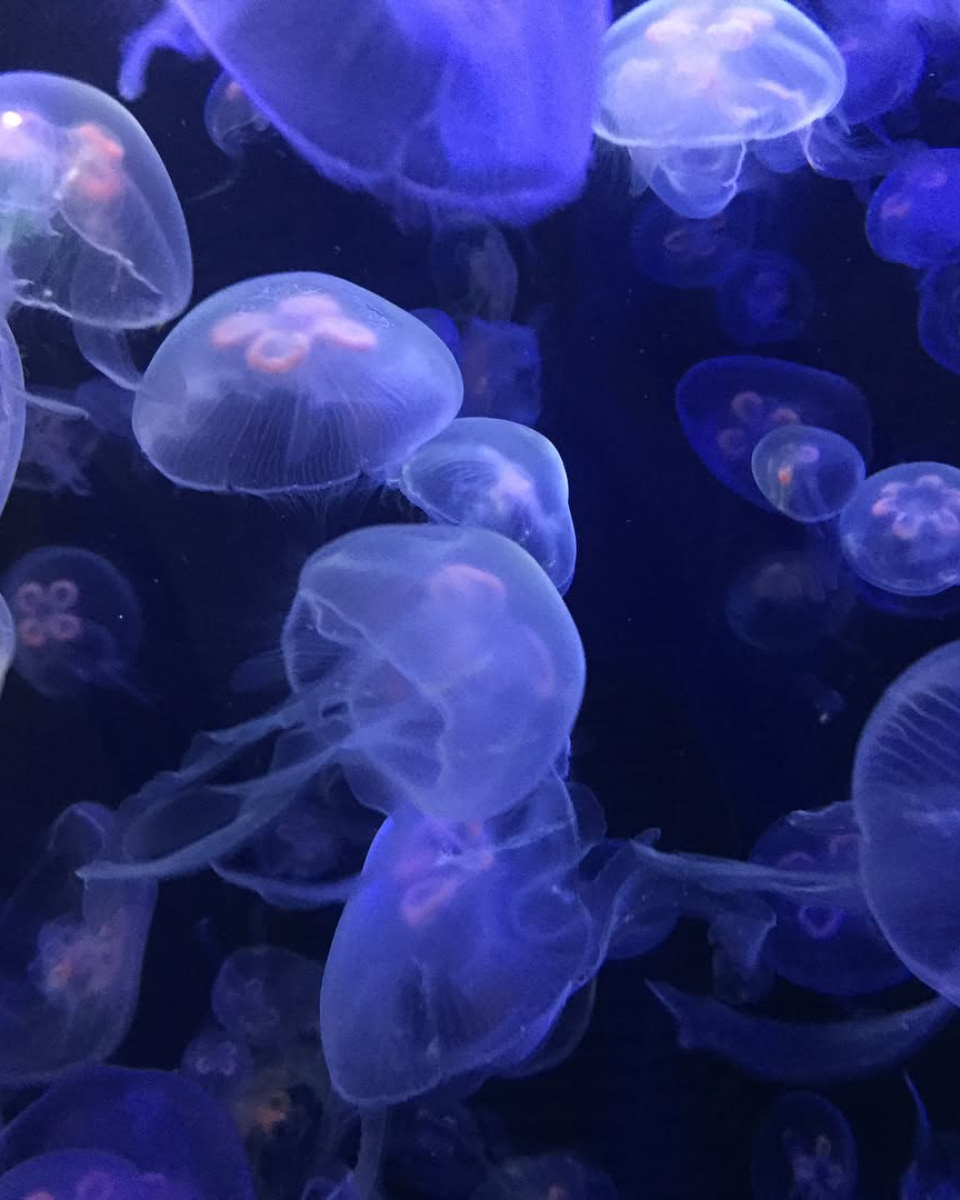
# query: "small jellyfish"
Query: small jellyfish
934,1171
901,530
231,119
804,1150
938,318
292,383
684,252
474,273
219,1062
914,215
266,996
497,475
763,297
808,474
500,364
728,405
77,618
549,1177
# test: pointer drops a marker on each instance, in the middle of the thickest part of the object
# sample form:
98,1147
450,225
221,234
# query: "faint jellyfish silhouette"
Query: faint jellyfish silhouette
938,318
219,1062
727,405
474,273
491,474
808,474
914,215
804,1150
292,382
547,1177
12,409
764,297
266,996
412,103
74,1175
500,363
684,252
901,530
687,87
830,948
78,621
884,57
8,640
934,1171
231,119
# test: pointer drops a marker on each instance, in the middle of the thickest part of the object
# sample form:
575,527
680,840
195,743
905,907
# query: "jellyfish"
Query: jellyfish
901,530
499,475
500,364
178,1139
436,114
437,666
808,474
442,325
474,273
914,217
8,641
727,405
687,87
230,118
70,956
77,619
764,297
906,793
458,952
220,1063
938,319
266,996
547,1177
804,1149
884,57
834,949
684,252
13,414
934,1170
77,1174
292,383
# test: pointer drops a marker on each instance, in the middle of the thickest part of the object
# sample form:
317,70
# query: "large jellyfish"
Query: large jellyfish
418,101
293,382
687,86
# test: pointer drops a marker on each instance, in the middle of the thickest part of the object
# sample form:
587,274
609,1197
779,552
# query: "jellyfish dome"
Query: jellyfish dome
13,411
293,382
420,101
90,226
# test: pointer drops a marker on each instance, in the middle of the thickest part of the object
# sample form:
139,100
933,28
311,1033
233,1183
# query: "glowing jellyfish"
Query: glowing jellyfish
290,383
220,1063
500,363
727,405
413,102
497,475
808,474
884,57
686,87
442,325
458,952
901,530
230,118
938,319
684,252
906,792
77,618
764,297
266,996
474,273
804,1149
77,1174
914,215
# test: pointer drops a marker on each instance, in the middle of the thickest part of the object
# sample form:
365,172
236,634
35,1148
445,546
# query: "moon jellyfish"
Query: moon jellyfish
83,1174
804,1149
8,640
548,1177
686,87
77,618
914,215
498,475
266,996
808,474
500,363
291,383
413,102
474,273
934,1172
684,252
12,410
901,530
785,603
938,319
884,58
764,297
178,1139
728,405
832,948
906,792
220,1063
458,952
230,118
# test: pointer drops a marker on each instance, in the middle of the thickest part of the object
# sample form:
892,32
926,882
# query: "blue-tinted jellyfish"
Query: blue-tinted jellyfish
266,996
459,950
884,58
901,530
77,618
12,410
914,215
906,792
437,666
684,252
497,475
934,1170
727,405
764,297
90,226
549,1177
179,1140
474,273
500,364
70,956
938,318
413,102
808,474
442,325
79,1175
292,382
219,1062
8,640
230,118
834,948
805,1150
686,87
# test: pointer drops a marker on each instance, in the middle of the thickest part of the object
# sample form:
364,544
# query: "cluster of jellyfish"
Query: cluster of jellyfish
415,773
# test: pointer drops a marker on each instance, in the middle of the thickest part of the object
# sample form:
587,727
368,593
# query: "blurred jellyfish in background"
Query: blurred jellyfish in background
764,297
410,101
78,621
934,1170
8,640
549,1177
686,88
474,273
805,1150
938,322
901,530
728,405
807,474
500,364
266,996
220,1063
684,252
884,57
230,118
12,410
497,475
787,602
292,382
914,215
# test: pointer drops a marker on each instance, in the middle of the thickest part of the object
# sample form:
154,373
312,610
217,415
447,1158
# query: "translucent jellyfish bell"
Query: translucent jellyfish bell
290,383
764,297
497,475
914,215
230,118
8,640
805,1148
266,996
79,1173
807,474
